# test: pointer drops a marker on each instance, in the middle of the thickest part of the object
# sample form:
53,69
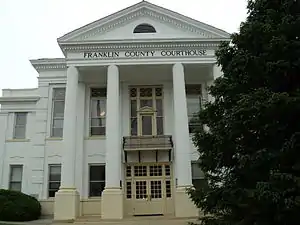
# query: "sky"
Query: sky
30,28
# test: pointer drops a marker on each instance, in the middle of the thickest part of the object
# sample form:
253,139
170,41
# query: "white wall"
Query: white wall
40,150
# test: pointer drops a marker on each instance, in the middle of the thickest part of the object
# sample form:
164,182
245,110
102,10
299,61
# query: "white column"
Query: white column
216,73
69,131
182,139
113,139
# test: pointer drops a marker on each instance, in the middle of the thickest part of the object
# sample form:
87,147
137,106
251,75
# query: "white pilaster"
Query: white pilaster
112,196
66,205
182,138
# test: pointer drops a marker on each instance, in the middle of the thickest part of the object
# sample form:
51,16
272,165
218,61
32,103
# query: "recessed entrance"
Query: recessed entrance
148,187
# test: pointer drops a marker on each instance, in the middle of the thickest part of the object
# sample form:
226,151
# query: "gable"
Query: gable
120,25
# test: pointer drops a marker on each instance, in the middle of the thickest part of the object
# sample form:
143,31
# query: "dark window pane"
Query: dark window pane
98,108
98,122
97,130
133,108
159,107
96,188
58,109
54,185
147,125
159,125
98,92
51,193
146,103
57,132
15,186
133,126
200,183
97,173
58,123
59,93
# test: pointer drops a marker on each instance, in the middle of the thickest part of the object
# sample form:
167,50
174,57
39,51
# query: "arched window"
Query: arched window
144,28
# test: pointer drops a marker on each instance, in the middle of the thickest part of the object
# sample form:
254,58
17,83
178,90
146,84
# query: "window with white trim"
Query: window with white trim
193,100
96,180
15,178
58,108
198,177
97,111
20,125
54,179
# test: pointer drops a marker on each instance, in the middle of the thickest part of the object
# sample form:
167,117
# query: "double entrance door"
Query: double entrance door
149,187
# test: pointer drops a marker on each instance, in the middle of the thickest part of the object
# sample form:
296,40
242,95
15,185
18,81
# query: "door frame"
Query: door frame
165,201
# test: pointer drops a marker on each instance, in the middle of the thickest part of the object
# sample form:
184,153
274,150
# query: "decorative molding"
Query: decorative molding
18,140
48,64
96,154
143,45
16,157
143,9
32,99
53,156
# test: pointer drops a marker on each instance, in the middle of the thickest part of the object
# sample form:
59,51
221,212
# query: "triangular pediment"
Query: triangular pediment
120,26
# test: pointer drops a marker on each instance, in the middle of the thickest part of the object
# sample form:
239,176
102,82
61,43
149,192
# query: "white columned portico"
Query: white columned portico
112,196
66,205
184,207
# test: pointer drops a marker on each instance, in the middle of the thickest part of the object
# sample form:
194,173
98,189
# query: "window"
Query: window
58,108
97,180
146,112
193,100
144,28
98,111
198,178
15,180
20,125
54,179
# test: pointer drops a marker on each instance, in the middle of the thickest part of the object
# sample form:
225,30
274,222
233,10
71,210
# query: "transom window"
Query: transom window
98,111
58,109
193,100
146,111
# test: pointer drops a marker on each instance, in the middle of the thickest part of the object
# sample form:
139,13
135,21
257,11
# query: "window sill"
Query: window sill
18,140
54,139
96,198
100,137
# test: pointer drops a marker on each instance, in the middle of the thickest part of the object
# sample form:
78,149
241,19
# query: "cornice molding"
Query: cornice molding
143,45
49,64
27,99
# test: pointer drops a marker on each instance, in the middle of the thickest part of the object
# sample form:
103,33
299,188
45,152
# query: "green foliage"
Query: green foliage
17,206
251,152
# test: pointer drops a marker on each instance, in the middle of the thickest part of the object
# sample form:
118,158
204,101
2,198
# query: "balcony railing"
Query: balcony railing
140,143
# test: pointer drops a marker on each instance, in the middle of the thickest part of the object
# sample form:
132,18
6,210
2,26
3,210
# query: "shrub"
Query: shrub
17,206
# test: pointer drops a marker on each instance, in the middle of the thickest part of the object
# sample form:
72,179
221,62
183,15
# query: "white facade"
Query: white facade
107,69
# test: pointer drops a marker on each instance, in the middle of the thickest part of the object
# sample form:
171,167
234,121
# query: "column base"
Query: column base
66,205
112,203
184,207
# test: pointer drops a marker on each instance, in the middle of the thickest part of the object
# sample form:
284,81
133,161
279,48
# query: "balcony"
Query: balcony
147,143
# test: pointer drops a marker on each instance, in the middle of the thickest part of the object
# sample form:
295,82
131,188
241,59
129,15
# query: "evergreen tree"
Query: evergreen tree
251,151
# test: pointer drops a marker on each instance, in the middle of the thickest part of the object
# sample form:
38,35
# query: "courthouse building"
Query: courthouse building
108,130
